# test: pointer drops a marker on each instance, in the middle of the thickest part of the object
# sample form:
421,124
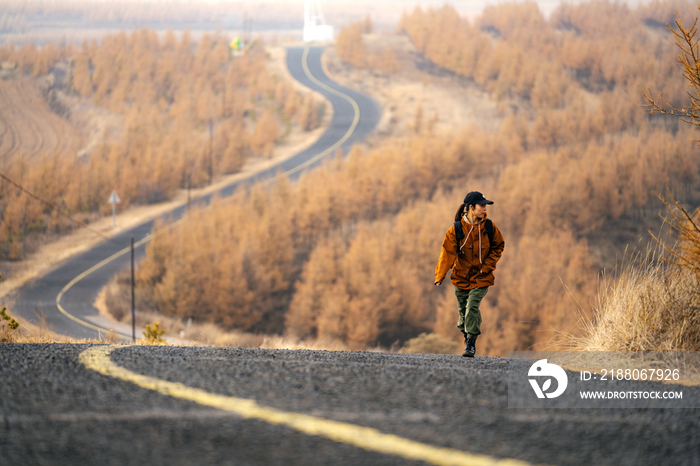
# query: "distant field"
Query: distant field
28,127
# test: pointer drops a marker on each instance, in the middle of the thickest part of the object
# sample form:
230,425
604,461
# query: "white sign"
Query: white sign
114,200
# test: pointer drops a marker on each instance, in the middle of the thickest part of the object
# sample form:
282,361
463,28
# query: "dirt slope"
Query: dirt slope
28,127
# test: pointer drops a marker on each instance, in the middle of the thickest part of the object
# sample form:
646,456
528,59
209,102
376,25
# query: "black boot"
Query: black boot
470,348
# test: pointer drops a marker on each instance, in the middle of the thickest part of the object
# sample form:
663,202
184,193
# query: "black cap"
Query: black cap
475,197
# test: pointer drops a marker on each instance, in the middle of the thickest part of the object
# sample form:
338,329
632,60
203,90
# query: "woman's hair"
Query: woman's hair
463,209
460,212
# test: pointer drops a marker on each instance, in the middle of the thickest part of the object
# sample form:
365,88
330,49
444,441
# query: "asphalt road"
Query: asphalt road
305,407
355,116
74,404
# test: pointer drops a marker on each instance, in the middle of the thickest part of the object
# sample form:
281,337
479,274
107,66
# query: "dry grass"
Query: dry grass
648,317
28,333
652,307
286,342
431,343
180,332
114,303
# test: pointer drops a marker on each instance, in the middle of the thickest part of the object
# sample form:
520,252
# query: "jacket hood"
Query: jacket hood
464,217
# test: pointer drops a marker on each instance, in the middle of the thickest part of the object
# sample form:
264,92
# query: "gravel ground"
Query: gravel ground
55,411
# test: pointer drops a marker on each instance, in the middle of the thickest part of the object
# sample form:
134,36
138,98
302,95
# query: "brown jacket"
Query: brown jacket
475,268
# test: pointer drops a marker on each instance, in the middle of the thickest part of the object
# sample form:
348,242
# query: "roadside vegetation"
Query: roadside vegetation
8,326
347,253
651,307
656,306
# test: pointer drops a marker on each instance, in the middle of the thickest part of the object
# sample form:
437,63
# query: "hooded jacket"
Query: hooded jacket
473,269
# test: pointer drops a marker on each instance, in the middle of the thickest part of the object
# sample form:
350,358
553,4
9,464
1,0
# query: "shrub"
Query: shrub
154,334
8,325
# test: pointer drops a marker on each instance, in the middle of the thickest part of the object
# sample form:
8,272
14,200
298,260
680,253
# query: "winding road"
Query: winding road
64,297
101,404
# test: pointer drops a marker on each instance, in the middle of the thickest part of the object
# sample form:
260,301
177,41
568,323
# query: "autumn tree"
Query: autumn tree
309,115
266,132
349,45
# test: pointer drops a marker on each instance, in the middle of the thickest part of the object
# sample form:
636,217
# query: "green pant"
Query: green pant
468,302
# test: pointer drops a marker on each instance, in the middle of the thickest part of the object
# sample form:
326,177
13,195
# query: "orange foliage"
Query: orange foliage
264,235
348,252
184,107
352,49
356,254
309,115
349,44
513,50
533,305
266,132
366,289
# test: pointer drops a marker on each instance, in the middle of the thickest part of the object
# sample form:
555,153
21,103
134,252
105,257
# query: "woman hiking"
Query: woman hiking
472,247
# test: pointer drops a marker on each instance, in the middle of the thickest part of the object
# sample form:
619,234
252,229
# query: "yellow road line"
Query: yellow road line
348,133
85,274
98,359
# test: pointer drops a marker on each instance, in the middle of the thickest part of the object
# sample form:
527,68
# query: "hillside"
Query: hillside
156,116
557,142
419,96
43,238
539,113
28,127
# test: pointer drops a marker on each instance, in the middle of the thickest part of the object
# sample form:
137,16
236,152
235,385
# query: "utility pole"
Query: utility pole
133,294
211,150
189,188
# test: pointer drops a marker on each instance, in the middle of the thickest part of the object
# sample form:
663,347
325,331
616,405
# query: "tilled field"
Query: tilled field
56,411
28,127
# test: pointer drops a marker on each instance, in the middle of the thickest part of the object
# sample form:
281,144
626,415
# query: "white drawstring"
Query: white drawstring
467,237
480,261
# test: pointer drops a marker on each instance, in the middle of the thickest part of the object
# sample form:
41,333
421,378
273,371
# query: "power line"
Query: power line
59,211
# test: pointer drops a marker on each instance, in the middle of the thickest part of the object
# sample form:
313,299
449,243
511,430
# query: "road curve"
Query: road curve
64,297
76,404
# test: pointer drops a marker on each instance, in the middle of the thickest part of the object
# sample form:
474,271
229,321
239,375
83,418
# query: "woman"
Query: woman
472,247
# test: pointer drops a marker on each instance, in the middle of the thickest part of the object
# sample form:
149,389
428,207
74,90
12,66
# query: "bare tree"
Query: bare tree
689,63
684,225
